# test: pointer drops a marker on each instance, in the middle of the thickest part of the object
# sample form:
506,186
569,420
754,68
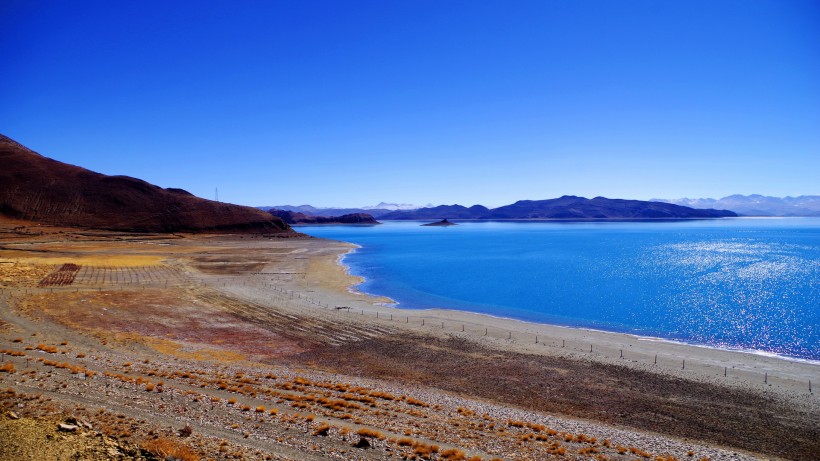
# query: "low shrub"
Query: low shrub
322,429
366,432
45,348
165,448
453,454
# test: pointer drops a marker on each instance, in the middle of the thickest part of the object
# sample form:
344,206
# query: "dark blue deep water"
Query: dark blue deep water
751,284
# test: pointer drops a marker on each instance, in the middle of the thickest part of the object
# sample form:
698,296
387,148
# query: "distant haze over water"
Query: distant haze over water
749,284
757,205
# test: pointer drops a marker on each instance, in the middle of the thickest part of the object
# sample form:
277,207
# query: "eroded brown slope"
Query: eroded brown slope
37,188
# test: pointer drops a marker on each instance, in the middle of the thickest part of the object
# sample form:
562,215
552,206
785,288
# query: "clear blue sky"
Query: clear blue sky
349,103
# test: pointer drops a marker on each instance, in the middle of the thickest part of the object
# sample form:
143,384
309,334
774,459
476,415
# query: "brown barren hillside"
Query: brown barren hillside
37,188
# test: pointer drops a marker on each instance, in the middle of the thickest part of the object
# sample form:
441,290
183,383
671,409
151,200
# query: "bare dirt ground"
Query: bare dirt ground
244,347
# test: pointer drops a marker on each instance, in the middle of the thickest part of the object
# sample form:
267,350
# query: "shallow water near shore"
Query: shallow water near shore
751,284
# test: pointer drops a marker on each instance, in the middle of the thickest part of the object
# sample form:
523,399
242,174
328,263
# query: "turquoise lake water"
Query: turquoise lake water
751,284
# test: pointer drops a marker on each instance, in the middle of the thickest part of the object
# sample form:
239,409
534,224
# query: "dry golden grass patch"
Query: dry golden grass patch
322,429
47,348
108,260
74,369
367,432
175,349
13,353
452,454
166,448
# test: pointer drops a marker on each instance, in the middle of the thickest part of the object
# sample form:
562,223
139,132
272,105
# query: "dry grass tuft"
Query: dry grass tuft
322,429
46,348
7,367
166,448
415,402
453,454
639,452
13,353
366,432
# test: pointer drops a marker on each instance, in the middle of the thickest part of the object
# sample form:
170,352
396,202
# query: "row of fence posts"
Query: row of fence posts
563,344
294,295
486,331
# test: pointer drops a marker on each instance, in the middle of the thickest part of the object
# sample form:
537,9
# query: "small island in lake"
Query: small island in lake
444,222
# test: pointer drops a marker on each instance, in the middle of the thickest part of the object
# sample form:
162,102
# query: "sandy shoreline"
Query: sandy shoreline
771,374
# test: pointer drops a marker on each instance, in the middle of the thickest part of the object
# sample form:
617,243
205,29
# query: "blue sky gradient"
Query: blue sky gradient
351,103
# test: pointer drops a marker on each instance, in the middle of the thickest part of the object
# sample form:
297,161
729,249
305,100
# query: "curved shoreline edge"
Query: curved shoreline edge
760,370
640,337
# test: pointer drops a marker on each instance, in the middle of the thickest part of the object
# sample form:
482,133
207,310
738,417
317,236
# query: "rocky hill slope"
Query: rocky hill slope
39,189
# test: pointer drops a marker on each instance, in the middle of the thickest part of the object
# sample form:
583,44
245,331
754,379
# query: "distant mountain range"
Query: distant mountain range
376,211
394,206
567,207
296,218
756,205
315,211
38,189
